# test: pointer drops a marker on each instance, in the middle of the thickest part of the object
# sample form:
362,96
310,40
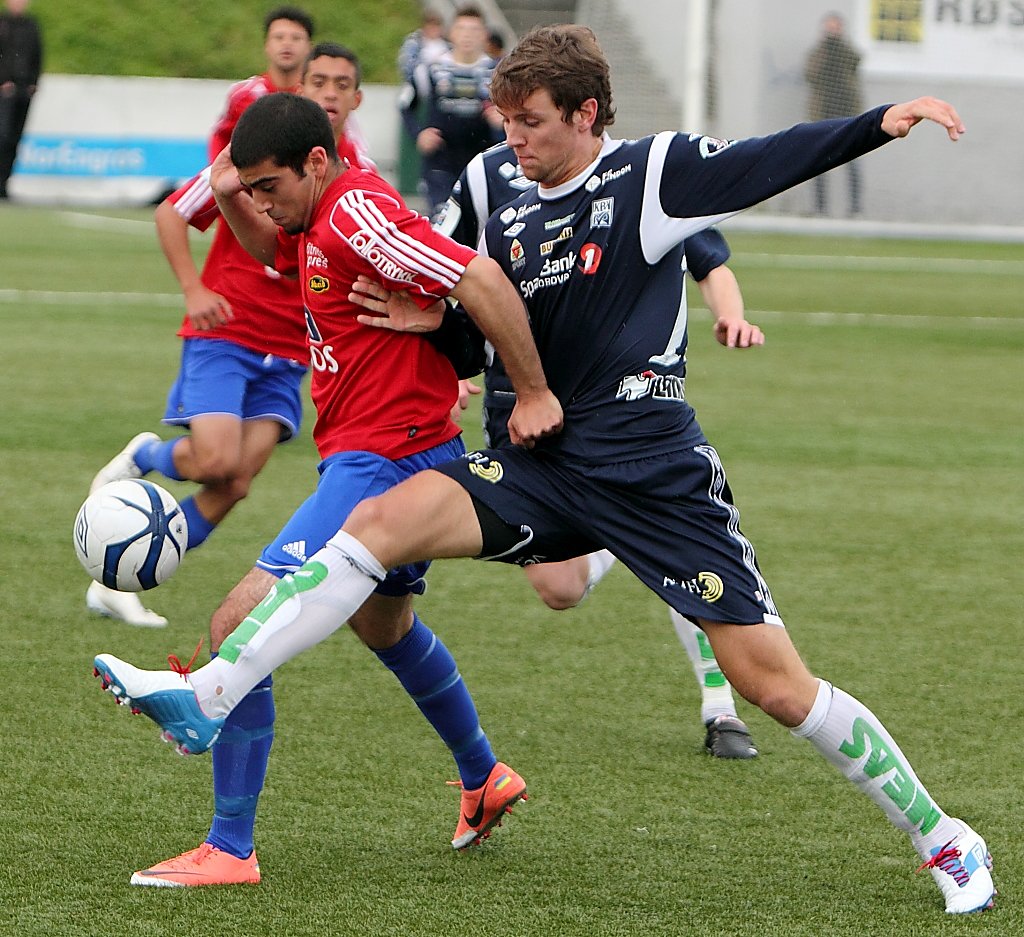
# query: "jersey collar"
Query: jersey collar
608,145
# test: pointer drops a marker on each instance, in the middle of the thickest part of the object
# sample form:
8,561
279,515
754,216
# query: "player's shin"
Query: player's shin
301,610
850,736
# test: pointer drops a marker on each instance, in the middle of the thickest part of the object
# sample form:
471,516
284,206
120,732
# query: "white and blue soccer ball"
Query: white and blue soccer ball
130,535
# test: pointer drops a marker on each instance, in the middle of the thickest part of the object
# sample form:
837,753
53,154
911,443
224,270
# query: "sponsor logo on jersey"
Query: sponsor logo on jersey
555,272
705,585
319,284
517,254
602,210
649,384
592,183
508,170
556,223
514,178
507,215
610,175
296,548
590,254
710,146
514,230
484,467
315,257
528,210
367,245
547,247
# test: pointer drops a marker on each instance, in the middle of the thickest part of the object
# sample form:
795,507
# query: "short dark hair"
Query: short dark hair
567,62
468,9
283,127
334,50
293,15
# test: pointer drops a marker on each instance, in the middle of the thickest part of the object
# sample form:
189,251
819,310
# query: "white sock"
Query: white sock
850,736
715,693
301,610
599,563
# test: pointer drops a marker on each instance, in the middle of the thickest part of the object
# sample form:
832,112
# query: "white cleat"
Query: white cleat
123,464
962,868
125,606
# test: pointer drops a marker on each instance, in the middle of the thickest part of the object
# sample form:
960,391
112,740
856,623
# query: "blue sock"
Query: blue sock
427,670
240,758
159,455
199,528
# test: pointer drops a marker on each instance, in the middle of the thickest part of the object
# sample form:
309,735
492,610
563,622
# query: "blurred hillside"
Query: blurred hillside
199,39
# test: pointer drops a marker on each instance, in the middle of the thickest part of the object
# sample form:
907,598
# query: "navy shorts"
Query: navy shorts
220,377
670,519
346,479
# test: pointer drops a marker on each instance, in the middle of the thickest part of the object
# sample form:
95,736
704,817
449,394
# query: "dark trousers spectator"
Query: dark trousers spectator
13,114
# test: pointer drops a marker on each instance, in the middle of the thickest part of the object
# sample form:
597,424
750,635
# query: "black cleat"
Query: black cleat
728,737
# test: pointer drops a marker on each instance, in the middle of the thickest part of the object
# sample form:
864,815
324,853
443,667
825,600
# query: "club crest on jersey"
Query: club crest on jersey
484,467
547,247
319,284
514,230
710,146
602,210
517,254
708,586
367,245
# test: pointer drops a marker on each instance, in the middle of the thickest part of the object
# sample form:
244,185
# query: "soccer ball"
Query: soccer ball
130,535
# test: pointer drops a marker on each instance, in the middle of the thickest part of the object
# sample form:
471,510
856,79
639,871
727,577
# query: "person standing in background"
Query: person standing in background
21,61
424,45
831,71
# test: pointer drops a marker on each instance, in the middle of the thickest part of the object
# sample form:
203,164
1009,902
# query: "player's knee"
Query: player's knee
215,468
780,700
558,596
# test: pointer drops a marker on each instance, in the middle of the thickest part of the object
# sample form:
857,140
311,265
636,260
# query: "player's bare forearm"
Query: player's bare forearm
898,120
255,232
494,305
724,300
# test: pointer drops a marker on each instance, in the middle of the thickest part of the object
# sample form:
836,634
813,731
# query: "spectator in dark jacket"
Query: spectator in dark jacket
21,60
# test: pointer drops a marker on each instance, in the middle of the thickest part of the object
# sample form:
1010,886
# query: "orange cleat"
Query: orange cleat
206,865
483,809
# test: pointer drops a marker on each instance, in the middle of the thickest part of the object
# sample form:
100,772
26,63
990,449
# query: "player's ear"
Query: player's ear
586,114
358,100
317,161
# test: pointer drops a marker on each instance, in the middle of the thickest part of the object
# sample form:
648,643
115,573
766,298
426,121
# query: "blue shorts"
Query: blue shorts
346,479
670,519
220,377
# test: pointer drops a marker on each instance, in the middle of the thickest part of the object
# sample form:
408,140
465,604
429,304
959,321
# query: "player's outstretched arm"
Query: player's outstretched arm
898,120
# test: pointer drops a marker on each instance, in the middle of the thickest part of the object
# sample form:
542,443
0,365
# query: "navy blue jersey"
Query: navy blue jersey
597,261
492,180
456,97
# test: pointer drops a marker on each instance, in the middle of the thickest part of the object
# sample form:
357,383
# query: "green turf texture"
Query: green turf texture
876,459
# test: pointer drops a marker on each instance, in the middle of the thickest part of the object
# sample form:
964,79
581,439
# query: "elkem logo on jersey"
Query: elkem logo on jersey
705,585
484,467
710,146
590,254
602,210
319,284
366,244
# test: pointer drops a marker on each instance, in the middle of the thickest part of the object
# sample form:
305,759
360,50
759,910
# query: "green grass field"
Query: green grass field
874,446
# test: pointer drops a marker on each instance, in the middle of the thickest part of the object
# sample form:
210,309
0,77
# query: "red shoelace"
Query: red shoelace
184,669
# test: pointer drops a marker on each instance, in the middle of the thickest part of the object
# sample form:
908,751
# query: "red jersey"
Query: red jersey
375,390
240,96
267,307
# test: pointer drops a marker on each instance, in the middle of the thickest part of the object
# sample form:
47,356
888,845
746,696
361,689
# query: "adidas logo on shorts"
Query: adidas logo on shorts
297,549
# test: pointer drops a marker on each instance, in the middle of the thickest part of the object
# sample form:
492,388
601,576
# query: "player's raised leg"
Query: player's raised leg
765,669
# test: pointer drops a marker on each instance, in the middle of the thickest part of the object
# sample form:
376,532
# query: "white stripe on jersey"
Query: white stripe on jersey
196,198
660,232
476,179
715,493
407,252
